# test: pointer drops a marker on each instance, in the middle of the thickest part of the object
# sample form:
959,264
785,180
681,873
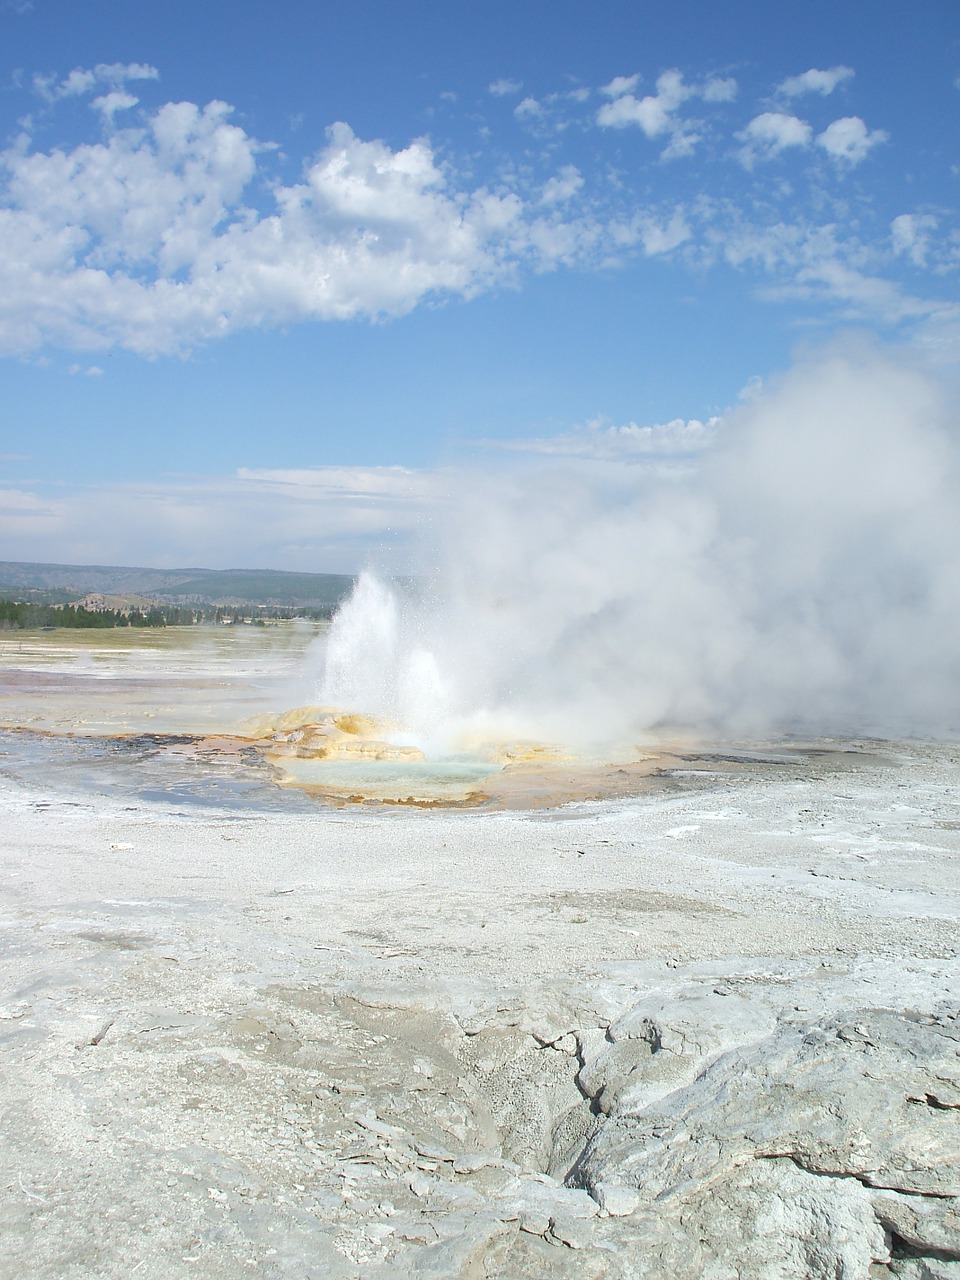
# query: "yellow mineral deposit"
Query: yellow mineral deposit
206,694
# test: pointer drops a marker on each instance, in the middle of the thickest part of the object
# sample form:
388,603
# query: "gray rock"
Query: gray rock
575,1233
816,1151
462,1253
925,1269
858,1096
616,1200
769,1220
535,1222
921,1222
658,1046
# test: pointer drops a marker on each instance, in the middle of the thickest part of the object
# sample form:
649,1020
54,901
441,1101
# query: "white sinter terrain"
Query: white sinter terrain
707,1030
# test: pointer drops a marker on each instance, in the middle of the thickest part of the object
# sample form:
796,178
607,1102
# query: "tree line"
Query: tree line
25,616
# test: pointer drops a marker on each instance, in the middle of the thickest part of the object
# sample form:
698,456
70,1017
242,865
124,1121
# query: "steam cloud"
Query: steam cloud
803,574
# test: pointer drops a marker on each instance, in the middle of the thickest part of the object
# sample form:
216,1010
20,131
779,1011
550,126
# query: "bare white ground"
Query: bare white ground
712,1034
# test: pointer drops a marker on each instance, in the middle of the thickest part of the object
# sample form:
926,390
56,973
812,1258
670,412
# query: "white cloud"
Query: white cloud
683,142
150,238
808,262
856,293
655,235
909,234
21,510
144,240
551,114
555,241
771,248
663,238
652,114
81,81
505,88
849,140
528,109
396,484
720,89
603,441
113,102
657,115
770,133
814,81
620,85
332,518
563,186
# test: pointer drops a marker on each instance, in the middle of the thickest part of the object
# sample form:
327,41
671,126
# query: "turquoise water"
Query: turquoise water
446,780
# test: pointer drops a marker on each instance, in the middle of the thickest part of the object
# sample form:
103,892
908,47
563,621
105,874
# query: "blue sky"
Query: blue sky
268,268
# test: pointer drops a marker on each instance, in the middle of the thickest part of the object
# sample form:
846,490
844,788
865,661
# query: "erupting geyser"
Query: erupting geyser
802,573
371,664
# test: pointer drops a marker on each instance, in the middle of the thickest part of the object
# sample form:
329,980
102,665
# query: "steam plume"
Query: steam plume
804,573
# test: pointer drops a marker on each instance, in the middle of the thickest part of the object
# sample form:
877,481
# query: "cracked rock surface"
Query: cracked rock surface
840,1139
712,1031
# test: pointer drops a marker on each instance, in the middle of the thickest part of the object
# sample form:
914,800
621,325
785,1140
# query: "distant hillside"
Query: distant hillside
54,583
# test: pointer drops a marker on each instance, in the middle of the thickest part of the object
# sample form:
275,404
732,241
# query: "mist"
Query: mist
800,573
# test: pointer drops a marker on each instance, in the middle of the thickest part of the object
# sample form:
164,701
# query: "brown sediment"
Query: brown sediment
533,775
527,787
514,774
541,776
515,787
548,784
203,716
472,800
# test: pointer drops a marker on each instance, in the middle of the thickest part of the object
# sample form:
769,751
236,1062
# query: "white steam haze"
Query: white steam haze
801,573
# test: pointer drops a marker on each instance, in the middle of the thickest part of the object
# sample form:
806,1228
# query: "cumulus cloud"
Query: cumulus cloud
110,103
145,241
552,113
505,88
528,109
720,89
658,114
814,81
767,135
653,114
910,235
620,85
173,228
563,186
655,235
81,81
849,140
